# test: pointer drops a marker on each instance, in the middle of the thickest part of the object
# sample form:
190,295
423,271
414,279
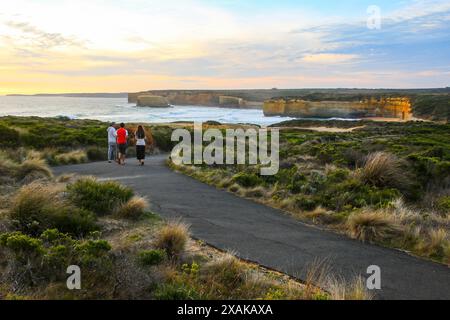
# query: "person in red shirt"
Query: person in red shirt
122,139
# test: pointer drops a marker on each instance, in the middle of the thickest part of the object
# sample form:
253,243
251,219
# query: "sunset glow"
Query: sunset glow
118,46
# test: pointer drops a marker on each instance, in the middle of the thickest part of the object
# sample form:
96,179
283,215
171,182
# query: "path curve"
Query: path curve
265,235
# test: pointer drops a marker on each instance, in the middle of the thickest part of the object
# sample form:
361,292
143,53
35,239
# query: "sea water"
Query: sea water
119,110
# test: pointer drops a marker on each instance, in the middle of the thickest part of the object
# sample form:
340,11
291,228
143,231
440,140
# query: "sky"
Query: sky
64,46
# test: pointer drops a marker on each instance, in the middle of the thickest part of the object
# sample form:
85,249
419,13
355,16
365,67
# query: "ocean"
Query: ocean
119,110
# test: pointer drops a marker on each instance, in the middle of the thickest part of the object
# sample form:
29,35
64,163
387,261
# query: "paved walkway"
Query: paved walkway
267,236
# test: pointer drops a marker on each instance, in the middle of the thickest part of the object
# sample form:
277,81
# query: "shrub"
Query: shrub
45,258
9,137
173,238
444,203
352,193
372,226
7,166
385,170
152,257
35,167
162,136
21,244
38,207
176,291
247,180
304,202
97,154
101,198
133,208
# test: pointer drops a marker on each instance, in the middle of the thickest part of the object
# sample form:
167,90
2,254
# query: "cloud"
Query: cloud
42,39
326,58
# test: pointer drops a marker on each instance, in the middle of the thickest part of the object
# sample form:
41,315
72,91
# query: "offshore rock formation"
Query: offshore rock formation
209,99
232,102
399,108
152,101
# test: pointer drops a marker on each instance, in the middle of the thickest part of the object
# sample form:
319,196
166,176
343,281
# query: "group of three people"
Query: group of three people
118,143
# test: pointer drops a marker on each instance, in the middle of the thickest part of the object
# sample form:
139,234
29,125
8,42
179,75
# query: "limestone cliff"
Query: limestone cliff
152,101
210,99
385,107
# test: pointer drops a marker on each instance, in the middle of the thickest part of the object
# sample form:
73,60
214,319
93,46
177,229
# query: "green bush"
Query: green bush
37,207
304,203
176,292
162,135
45,258
101,198
352,194
21,243
152,257
97,154
444,203
9,137
247,180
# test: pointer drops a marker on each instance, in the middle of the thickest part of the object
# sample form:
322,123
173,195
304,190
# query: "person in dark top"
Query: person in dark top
140,145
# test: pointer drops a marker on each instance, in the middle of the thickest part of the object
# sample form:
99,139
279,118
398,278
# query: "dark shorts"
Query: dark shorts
122,148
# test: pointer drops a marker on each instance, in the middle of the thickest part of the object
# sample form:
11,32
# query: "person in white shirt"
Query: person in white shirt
112,142
140,145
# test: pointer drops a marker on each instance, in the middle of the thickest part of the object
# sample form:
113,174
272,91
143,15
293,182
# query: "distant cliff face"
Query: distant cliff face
387,107
152,101
210,99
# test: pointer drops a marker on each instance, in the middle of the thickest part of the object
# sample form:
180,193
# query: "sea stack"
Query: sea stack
152,101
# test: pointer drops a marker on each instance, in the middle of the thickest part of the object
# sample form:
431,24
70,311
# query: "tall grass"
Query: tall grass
132,209
384,169
173,238
372,226
37,207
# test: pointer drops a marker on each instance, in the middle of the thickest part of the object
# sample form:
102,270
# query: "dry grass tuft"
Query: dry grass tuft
132,209
173,238
372,226
226,270
384,169
35,168
73,157
354,290
321,216
257,192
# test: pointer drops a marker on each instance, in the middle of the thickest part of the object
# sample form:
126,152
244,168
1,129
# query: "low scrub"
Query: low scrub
38,207
152,257
101,198
44,258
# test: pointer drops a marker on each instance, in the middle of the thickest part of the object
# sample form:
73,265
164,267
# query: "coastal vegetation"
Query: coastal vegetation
384,182
124,250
